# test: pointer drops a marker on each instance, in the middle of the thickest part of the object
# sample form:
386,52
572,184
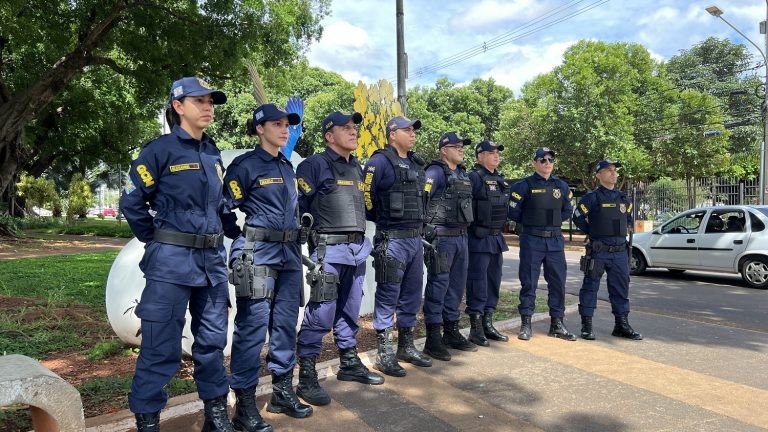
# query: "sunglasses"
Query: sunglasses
546,160
455,147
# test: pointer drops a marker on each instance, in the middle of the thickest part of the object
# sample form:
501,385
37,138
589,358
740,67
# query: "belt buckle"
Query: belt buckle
211,240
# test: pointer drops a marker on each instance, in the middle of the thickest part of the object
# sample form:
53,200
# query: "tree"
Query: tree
80,197
38,192
45,46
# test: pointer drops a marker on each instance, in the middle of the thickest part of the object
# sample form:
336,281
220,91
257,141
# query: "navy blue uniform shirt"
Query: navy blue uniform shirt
179,179
489,243
315,176
264,187
379,177
590,203
520,193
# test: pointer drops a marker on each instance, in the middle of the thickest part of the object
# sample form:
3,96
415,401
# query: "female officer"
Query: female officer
267,271
179,177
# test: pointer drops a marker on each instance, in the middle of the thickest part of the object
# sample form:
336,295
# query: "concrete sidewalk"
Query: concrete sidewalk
685,376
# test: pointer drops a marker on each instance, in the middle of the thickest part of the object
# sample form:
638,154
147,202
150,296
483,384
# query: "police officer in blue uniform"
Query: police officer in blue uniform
266,268
539,204
331,190
394,200
605,215
179,177
449,213
490,200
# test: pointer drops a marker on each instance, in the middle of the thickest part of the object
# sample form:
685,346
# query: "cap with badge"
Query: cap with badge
270,112
340,119
194,86
541,152
605,163
449,138
487,146
401,122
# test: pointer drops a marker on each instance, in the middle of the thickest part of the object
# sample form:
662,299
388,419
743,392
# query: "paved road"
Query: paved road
702,367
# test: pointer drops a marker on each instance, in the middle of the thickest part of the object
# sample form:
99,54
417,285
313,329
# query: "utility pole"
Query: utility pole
402,58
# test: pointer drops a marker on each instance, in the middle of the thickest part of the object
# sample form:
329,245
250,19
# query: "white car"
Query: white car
728,239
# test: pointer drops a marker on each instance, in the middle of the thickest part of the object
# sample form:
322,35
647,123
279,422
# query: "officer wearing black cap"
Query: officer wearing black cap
394,199
539,204
266,268
605,215
449,213
179,178
490,200
331,190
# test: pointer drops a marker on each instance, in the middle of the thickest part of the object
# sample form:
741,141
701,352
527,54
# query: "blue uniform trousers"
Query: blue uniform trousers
444,290
483,282
535,251
616,265
254,319
340,314
403,297
162,309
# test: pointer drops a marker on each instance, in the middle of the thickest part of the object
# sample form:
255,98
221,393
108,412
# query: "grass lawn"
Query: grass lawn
90,227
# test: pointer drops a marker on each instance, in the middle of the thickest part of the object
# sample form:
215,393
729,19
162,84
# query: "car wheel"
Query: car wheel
676,271
637,264
754,270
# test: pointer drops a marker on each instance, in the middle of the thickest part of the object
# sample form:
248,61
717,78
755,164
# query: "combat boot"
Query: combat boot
586,328
309,389
525,328
148,422
216,417
385,357
351,368
434,346
490,330
407,352
557,329
452,337
476,332
247,417
623,329
284,400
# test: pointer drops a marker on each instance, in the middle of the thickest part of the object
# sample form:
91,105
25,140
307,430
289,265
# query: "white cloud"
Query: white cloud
487,13
524,62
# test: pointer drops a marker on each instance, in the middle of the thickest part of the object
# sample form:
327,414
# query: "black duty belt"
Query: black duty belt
401,233
451,232
598,246
197,241
542,233
483,231
334,239
270,235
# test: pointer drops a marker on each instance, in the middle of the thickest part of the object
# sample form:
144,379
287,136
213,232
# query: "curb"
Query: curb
190,403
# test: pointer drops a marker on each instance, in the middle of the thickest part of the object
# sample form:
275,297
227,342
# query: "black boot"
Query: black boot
623,329
148,422
385,357
407,352
586,328
352,369
434,346
525,328
557,329
476,331
452,337
309,389
216,417
490,330
247,417
284,400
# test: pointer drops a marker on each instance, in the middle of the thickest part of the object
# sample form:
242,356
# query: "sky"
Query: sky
359,36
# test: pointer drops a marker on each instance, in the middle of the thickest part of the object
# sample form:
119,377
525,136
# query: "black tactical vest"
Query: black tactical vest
454,204
610,217
404,201
490,204
341,208
543,206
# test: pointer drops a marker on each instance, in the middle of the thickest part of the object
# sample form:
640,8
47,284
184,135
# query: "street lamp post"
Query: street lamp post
717,12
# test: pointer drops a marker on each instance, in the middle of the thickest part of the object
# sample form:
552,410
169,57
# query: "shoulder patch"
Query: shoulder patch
303,185
584,208
145,175
516,196
235,188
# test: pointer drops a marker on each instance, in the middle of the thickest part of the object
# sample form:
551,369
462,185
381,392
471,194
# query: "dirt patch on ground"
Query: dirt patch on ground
47,245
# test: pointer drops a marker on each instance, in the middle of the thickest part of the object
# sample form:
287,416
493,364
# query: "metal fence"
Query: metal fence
663,199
